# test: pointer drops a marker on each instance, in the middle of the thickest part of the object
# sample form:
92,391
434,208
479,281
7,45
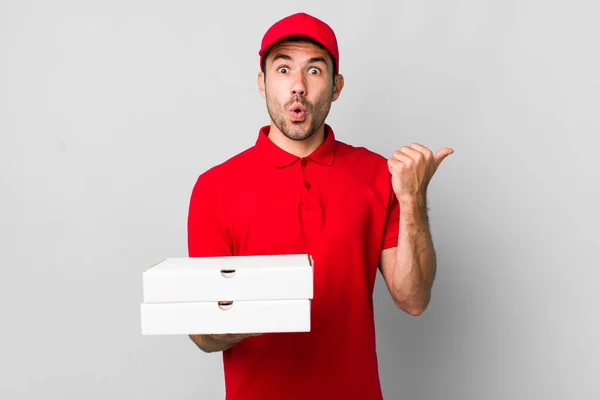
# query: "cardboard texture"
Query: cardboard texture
238,317
242,294
183,280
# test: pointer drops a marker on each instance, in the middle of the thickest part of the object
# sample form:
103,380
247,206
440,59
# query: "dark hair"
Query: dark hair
300,39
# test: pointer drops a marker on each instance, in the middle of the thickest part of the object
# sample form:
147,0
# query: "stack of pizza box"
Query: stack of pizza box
220,295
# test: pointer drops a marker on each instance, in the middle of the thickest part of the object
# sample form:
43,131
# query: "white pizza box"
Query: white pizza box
245,316
261,277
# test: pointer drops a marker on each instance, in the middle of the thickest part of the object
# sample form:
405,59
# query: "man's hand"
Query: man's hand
220,342
412,167
233,337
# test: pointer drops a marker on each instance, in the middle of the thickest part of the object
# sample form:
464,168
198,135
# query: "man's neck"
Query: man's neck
299,148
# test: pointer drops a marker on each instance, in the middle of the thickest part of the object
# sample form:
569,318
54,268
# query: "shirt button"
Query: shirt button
303,162
307,185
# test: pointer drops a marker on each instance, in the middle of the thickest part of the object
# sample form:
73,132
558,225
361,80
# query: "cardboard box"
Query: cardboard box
242,294
226,317
184,280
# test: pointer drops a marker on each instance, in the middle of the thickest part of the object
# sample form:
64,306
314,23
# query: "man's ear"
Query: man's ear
261,83
338,85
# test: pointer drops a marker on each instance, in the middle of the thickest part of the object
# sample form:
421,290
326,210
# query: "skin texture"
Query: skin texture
280,100
409,273
298,73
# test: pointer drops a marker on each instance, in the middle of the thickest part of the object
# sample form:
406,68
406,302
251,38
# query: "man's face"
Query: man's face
299,88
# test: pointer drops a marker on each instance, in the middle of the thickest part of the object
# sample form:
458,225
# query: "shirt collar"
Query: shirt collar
280,158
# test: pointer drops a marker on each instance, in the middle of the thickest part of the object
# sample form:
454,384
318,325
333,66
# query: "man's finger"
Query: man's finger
423,150
412,153
402,157
441,154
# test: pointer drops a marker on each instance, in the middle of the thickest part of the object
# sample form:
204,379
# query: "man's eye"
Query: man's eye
314,71
283,70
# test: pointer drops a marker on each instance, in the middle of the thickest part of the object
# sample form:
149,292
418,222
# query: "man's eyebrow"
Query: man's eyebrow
317,59
311,60
283,56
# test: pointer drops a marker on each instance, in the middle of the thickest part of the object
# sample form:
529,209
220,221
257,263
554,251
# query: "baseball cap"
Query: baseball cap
303,25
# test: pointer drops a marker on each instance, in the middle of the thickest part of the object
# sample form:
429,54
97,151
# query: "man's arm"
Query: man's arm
409,269
409,273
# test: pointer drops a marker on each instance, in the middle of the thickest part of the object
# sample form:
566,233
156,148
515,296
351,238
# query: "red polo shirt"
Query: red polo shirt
336,204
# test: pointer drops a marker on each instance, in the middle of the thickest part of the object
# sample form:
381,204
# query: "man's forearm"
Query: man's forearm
414,270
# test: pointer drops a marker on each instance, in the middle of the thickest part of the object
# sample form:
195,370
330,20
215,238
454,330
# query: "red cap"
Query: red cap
303,25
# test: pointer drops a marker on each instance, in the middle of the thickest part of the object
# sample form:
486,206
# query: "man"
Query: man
299,190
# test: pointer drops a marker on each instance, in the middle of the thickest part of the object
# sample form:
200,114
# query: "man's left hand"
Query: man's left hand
412,167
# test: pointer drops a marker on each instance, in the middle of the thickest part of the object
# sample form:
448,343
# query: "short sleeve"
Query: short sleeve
392,222
205,236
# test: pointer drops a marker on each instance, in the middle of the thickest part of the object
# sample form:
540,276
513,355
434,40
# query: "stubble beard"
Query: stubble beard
298,130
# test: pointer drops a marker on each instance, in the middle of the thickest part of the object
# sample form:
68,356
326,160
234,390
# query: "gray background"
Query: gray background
110,110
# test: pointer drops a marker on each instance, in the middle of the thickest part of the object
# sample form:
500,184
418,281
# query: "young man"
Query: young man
299,190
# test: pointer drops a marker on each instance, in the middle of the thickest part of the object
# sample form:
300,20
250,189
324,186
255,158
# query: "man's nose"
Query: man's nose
298,84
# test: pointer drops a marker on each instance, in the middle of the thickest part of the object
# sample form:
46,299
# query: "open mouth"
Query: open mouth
298,112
